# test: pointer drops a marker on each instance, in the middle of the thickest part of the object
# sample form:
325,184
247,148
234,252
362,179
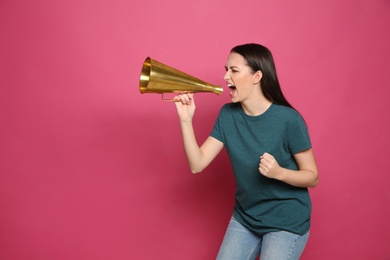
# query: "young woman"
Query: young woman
270,151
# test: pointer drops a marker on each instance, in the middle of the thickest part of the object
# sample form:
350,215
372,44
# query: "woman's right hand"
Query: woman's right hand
185,105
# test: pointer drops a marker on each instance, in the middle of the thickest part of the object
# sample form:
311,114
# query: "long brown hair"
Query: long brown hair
259,57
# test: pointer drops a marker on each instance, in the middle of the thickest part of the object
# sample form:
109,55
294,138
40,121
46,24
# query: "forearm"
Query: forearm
191,147
299,178
198,157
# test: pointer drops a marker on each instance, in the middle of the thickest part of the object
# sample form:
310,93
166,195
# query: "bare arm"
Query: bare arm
198,157
305,176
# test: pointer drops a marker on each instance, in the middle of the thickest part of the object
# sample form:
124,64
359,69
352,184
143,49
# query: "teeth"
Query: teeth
230,85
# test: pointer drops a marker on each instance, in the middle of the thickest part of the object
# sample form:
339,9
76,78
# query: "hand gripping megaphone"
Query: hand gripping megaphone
159,78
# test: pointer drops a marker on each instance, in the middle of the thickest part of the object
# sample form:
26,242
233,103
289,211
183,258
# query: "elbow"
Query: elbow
315,181
314,184
195,171
196,167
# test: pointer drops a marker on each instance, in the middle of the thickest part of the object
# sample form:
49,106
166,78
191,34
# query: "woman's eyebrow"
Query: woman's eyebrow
231,67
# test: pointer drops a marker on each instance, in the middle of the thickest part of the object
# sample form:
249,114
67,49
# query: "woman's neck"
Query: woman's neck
255,107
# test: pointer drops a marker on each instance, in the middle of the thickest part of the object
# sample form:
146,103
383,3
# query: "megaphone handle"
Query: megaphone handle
168,99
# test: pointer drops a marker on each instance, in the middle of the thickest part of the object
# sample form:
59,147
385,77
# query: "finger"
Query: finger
265,160
262,169
266,155
186,99
263,165
181,99
269,155
176,99
262,161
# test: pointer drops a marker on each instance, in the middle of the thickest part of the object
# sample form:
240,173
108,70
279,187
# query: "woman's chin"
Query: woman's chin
234,99
233,95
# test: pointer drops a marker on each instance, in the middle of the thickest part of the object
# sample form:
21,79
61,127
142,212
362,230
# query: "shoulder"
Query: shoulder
229,108
284,110
286,113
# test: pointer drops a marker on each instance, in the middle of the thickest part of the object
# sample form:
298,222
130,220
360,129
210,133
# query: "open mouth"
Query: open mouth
231,87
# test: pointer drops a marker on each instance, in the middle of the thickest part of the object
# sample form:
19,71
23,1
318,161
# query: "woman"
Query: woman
270,151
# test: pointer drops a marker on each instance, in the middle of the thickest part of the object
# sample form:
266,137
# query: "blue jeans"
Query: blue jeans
241,244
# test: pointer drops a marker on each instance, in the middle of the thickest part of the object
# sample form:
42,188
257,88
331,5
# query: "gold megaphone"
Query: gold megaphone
160,78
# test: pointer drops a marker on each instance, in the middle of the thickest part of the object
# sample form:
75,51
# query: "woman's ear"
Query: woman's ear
257,77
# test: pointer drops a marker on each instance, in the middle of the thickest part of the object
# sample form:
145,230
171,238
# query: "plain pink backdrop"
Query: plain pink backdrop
92,169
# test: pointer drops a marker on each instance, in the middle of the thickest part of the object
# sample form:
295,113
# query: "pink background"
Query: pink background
92,169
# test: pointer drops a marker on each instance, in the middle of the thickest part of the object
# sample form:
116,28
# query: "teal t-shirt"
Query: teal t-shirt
264,204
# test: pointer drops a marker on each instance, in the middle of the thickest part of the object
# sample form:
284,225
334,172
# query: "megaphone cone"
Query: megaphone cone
159,78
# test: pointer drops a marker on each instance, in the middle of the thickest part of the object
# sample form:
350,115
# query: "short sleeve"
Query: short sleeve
217,130
298,135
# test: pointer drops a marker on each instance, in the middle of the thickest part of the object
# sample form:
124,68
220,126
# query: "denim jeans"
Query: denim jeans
241,244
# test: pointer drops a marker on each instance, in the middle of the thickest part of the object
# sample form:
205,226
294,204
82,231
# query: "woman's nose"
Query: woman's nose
226,76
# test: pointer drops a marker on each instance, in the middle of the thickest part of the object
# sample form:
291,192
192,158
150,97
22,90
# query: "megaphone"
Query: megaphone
159,78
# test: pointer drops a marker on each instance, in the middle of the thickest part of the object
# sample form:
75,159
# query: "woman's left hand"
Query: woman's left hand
269,167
